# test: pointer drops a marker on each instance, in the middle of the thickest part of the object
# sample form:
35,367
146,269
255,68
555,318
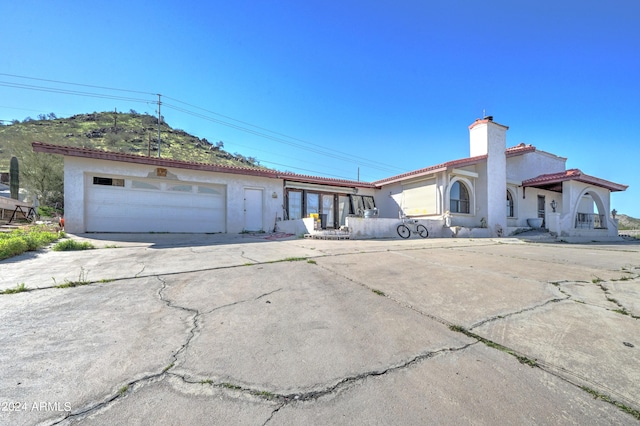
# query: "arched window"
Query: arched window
459,198
509,204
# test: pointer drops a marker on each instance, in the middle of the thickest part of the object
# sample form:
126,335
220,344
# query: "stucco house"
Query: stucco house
116,192
496,191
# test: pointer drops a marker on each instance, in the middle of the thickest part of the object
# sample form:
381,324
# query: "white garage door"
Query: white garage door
147,205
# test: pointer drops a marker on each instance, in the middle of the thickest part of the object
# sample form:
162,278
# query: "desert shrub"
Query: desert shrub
69,245
28,239
10,247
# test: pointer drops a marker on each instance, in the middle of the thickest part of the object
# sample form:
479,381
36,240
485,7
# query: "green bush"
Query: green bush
35,240
68,245
10,247
17,242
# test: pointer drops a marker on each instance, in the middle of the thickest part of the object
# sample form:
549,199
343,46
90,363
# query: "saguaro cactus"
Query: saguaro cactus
14,178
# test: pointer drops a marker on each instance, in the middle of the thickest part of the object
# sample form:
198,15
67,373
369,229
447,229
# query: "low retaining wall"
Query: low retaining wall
297,227
370,228
361,228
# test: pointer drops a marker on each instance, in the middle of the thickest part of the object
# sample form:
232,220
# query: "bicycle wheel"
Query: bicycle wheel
403,231
422,231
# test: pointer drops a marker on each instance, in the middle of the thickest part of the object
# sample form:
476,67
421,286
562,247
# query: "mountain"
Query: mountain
130,132
626,222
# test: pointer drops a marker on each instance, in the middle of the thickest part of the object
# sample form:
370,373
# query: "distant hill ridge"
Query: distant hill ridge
131,133
627,222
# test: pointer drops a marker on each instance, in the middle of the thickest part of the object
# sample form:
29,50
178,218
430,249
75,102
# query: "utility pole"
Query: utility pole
159,124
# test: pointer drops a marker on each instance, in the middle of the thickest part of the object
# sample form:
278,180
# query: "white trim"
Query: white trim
320,188
464,173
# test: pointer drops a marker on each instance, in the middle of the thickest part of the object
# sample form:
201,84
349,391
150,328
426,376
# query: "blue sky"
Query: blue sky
382,86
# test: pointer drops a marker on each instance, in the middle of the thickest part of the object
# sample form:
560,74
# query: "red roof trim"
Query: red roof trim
485,121
572,174
509,152
190,165
431,169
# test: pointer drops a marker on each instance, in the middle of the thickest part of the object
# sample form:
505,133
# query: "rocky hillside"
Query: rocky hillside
627,222
130,132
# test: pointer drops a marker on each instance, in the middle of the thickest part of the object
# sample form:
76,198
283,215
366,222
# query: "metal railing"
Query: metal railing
590,221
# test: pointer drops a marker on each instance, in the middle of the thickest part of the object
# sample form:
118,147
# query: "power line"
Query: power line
70,92
330,154
306,170
351,157
76,84
279,137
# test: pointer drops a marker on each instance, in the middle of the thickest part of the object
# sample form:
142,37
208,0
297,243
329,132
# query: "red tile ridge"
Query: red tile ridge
192,165
573,174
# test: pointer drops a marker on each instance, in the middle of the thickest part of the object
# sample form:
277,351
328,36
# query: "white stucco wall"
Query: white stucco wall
389,200
364,228
533,164
76,168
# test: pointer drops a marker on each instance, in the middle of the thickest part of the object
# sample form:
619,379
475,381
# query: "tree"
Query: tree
42,175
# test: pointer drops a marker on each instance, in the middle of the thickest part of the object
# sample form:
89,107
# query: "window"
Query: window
360,203
294,204
313,203
208,190
509,204
459,198
107,181
144,185
180,188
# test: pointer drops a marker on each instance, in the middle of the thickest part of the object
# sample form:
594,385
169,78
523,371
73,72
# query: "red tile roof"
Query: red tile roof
572,174
509,152
191,165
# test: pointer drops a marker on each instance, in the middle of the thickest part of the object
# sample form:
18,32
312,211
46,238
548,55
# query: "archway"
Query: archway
589,211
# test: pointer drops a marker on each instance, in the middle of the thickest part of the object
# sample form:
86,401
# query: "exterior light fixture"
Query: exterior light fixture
274,195
554,205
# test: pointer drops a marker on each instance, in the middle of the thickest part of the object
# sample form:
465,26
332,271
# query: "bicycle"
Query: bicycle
404,229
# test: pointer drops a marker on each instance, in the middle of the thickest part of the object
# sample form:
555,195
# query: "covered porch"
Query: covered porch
583,207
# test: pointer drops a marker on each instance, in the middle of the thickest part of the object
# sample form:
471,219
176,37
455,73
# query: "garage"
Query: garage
131,204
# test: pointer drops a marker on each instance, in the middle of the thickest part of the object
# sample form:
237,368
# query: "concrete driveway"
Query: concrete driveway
260,329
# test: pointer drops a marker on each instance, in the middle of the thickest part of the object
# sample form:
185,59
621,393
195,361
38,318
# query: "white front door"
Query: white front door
253,209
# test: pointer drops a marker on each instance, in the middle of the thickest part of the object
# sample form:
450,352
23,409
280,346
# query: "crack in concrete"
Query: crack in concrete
196,319
573,378
342,383
96,407
579,380
623,310
251,299
273,413
547,367
248,258
173,359
141,271
528,309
